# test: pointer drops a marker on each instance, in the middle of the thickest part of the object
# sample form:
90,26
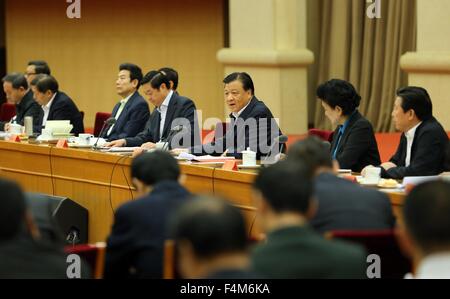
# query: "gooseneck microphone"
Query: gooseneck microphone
106,125
173,132
281,139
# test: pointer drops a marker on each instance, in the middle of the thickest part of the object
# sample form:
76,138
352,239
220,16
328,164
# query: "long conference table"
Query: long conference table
101,182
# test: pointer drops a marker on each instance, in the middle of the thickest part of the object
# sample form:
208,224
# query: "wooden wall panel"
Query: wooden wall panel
84,54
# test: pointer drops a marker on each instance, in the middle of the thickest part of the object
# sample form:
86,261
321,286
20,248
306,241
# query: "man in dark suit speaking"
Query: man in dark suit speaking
423,144
171,110
252,124
56,105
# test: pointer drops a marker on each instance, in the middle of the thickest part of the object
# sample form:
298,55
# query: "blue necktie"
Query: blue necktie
338,141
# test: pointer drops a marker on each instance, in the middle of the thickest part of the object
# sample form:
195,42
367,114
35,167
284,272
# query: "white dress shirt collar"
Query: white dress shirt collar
410,134
166,102
49,104
46,109
162,109
236,115
127,98
409,141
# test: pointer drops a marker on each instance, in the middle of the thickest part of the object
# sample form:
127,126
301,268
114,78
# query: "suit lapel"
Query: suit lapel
120,122
53,106
355,117
245,114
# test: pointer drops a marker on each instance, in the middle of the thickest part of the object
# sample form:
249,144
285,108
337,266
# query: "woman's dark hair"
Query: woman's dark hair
339,93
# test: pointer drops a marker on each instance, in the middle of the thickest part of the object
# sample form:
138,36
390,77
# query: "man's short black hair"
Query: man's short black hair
40,67
426,213
211,225
135,72
36,79
172,75
340,93
12,210
17,80
286,186
417,99
152,168
245,79
312,152
148,77
46,83
159,79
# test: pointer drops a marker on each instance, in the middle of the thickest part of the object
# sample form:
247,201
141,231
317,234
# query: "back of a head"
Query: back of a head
286,187
244,78
152,168
172,75
148,77
135,72
46,83
426,213
211,225
36,79
12,210
340,93
312,152
40,67
159,79
417,99
17,80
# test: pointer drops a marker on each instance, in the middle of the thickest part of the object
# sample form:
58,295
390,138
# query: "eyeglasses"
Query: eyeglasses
29,74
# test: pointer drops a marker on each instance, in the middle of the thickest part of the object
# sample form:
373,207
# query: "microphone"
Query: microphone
281,139
173,132
107,124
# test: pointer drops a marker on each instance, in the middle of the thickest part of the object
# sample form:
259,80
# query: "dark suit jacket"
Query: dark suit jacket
428,152
298,252
24,258
358,146
132,119
63,108
135,246
344,205
259,138
27,107
181,111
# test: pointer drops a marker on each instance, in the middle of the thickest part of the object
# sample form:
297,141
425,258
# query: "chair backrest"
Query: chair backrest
100,119
94,255
382,243
7,111
169,260
322,134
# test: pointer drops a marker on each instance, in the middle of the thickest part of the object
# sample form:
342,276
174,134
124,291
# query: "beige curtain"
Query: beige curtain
365,52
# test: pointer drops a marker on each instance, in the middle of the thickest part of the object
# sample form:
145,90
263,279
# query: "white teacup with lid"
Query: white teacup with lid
248,158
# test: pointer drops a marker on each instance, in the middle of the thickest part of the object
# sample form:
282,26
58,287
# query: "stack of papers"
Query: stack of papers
119,149
208,158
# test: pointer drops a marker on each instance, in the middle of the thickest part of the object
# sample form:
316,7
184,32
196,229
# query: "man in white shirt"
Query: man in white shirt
425,234
171,110
422,148
56,105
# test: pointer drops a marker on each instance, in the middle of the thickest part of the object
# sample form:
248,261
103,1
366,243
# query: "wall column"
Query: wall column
429,67
268,40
